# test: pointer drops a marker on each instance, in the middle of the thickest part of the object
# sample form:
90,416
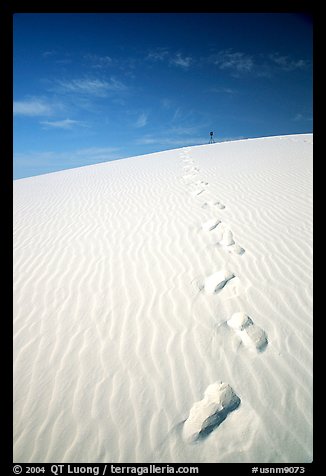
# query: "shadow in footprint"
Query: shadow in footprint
228,243
211,224
207,414
250,334
217,419
217,281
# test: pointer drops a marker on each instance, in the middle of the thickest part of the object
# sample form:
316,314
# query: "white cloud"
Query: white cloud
170,141
235,61
145,140
64,160
222,90
99,62
47,54
301,117
178,114
179,60
298,117
53,55
166,103
174,59
183,130
157,54
32,107
63,124
286,63
142,120
92,87
96,154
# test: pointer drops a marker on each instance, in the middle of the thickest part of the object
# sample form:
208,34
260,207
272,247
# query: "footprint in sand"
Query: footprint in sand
198,191
207,414
229,244
251,335
197,185
200,182
190,168
211,224
213,203
216,281
227,239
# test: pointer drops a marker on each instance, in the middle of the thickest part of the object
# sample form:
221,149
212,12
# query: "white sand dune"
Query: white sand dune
115,338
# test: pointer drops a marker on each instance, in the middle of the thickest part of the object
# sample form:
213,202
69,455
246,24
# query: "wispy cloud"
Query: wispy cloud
187,130
149,139
90,86
170,57
166,103
142,120
99,62
96,154
51,160
33,107
182,61
47,54
175,135
302,117
184,118
177,115
63,124
286,63
53,56
157,54
222,90
234,61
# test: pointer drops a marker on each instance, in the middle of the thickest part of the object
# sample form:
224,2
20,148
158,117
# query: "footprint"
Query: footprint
207,414
228,242
251,335
201,182
211,224
236,249
227,239
217,281
197,192
191,168
213,203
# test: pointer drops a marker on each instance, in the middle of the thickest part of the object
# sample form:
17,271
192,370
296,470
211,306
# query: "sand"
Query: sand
127,276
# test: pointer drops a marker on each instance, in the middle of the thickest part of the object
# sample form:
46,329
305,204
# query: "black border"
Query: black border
7,10
6,190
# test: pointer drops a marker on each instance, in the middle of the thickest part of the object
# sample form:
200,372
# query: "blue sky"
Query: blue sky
90,88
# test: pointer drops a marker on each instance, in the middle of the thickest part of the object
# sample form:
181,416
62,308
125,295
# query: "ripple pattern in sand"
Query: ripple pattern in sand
114,338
